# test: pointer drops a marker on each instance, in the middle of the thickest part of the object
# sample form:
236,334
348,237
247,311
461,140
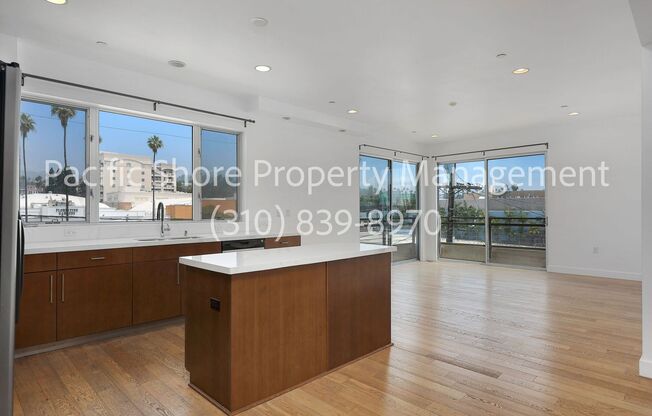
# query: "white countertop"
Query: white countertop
127,242
256,260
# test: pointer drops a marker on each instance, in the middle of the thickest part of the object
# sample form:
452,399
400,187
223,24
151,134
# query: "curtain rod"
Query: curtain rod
392,150
156,103
492,150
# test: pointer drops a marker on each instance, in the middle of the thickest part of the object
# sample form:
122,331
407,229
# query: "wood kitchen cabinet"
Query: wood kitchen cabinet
157,283
359,307
283,242
78,293
93,299
157,291
37,317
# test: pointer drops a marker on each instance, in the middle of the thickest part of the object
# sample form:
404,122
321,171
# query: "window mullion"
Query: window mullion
93,149
196,163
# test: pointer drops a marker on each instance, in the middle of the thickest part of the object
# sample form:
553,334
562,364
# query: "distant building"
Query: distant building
126,180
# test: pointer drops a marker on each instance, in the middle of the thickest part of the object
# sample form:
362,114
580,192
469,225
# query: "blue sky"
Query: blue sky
128,134
47,141
499,169
403,174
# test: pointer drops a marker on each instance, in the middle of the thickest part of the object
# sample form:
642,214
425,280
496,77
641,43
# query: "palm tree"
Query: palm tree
64,114
154,142
27,125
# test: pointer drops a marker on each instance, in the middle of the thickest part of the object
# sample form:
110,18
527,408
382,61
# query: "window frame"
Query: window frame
93,154
197,212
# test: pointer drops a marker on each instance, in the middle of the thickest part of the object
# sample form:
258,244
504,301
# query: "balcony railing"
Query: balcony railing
521,232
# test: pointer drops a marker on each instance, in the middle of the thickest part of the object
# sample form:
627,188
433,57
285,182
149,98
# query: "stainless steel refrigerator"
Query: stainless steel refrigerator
11,235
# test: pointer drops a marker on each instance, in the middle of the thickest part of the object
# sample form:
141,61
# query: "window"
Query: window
140,163
219,175
159,153
52,162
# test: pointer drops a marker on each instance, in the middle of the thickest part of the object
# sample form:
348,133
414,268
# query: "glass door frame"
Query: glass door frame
390,166
485,159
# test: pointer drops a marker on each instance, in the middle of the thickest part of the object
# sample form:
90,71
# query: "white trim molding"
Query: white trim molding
611,274
645,367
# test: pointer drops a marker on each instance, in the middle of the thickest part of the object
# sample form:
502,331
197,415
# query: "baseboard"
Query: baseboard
645,367
130,330
611,274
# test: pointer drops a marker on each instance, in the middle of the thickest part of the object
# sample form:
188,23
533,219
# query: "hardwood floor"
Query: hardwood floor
469,340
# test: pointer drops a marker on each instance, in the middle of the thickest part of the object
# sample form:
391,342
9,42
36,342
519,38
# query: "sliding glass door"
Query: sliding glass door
389,205
374,200
517,211
462,207
493,210
404,213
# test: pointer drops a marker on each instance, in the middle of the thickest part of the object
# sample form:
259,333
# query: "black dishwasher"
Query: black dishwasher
242,245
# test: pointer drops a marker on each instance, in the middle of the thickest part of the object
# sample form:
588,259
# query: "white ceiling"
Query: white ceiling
398,62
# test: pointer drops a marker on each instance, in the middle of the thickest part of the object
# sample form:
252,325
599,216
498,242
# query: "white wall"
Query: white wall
305,140
583,218
8,48
646,359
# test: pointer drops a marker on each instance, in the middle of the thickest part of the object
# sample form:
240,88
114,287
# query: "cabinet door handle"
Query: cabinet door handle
51,288
178,279
284,242
63,288
98,258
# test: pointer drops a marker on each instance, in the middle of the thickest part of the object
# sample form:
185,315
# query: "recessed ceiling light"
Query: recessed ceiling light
414,132
57,2
177,64
331,102
285,118
501,55
352,111
452,104
263,68
101,43
434,136
259,21
564,106
574,113
342,130
521,71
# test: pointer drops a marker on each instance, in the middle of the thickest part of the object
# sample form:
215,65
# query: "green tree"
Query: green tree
27,125
154,143
451,190
64,114
39,183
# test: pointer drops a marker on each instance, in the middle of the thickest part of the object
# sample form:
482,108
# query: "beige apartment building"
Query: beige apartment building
126,180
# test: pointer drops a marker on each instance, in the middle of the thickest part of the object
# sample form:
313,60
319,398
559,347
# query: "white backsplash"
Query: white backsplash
94,232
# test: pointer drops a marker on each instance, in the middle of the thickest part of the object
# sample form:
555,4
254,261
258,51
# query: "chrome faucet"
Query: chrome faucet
160,215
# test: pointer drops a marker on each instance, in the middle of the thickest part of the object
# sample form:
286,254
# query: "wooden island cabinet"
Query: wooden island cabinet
266,322
79,293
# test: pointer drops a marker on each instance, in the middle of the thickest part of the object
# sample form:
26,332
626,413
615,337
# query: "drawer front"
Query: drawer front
203,248
92,258
174,251
40,262
290,241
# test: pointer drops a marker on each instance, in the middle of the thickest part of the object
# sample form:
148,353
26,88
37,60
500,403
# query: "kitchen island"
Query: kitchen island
259,323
